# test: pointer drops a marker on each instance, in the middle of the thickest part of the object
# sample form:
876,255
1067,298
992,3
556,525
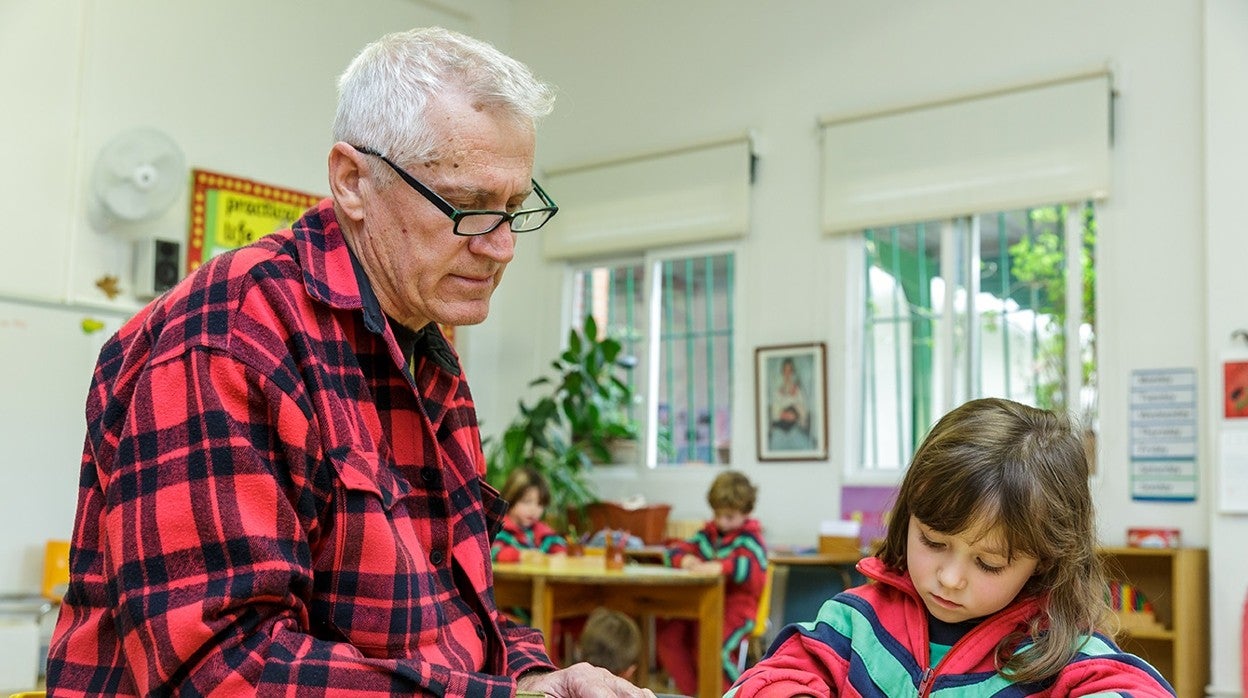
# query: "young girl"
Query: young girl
523,528
987,582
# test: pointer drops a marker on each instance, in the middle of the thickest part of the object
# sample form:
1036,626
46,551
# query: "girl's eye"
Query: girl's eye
990,569
931,543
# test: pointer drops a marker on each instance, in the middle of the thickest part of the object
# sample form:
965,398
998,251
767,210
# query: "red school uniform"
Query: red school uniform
743,555
513,539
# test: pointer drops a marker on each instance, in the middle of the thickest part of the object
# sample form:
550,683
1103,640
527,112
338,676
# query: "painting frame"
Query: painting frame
790,402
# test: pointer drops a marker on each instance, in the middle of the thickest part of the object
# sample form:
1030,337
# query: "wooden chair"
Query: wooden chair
761,621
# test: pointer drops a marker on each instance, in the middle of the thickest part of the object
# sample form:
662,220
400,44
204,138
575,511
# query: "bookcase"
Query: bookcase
1176,582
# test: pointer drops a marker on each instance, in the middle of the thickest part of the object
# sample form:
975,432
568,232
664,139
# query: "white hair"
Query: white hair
385,92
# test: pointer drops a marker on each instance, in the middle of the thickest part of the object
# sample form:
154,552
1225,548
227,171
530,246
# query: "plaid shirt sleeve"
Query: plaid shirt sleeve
204,560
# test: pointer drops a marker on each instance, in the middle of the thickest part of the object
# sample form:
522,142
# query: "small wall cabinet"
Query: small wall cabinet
1176,581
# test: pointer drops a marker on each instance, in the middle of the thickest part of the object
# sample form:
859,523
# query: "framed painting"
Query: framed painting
791,402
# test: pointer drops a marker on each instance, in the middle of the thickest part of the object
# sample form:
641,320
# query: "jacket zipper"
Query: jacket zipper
925,683
929,674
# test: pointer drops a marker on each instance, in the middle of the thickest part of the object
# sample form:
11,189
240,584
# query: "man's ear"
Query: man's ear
347,176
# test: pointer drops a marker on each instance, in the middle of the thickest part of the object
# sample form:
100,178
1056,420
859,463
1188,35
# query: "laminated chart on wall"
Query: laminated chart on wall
1163,434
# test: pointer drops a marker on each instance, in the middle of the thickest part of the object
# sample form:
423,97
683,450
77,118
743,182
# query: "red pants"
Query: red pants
676,647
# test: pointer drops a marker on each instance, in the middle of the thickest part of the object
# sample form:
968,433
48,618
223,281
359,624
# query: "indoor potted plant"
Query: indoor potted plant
574,424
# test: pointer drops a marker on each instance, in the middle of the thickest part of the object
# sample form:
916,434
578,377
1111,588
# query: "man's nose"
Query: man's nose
499,244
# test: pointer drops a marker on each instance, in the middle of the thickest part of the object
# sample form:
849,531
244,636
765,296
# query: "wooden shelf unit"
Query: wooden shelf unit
1176,581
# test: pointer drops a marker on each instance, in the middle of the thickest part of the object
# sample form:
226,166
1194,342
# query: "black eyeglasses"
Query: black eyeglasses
475,222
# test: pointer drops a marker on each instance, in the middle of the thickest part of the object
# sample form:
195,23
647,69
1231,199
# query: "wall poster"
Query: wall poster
229,212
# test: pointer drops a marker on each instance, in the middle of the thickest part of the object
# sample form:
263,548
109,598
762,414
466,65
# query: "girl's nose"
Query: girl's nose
950,576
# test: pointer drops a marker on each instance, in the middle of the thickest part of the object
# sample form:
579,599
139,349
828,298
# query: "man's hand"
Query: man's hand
581,681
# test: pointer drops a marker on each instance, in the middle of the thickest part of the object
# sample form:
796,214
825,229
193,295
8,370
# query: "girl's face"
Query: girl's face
528,510
964,576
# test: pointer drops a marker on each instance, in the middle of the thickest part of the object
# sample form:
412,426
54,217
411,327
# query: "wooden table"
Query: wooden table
576,586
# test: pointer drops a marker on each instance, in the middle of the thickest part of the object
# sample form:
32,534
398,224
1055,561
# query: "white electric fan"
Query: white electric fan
136,178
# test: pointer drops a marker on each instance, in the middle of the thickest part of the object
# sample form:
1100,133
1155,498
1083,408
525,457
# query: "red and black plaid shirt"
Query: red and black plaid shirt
270,503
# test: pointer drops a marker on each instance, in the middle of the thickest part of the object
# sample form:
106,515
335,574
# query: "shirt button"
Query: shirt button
428,474
436,557
480,632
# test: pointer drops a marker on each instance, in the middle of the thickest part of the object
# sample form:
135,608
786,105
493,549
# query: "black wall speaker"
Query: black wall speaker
157,266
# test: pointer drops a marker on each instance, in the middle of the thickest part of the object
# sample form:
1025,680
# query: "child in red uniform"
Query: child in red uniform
731,544
523,529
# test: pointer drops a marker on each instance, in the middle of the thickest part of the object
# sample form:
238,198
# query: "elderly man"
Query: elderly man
281,490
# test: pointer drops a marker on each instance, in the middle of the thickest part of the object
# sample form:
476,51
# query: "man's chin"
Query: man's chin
464,314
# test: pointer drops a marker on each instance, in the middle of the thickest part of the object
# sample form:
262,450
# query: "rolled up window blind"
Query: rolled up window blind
1034,144
694,194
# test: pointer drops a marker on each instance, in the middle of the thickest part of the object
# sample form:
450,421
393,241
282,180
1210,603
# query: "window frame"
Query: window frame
646,381
952,388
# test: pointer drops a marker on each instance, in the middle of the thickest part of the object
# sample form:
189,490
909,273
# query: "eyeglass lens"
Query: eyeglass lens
480,223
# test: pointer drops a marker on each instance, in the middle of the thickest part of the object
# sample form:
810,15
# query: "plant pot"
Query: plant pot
623,452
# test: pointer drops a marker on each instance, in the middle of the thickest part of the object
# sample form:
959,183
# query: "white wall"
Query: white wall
1226,251
671,73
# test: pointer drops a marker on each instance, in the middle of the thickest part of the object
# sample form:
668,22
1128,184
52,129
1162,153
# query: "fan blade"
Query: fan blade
127,203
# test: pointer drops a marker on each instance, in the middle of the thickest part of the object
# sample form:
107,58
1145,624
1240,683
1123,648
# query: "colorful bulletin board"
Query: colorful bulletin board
229,212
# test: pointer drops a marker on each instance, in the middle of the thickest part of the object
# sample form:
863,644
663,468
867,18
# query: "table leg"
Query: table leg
542,611
710,642
646,656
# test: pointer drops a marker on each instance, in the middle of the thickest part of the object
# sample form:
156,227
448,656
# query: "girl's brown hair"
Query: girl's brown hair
994,462
520,480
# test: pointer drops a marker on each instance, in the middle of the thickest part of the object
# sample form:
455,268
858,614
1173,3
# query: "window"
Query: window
975,307
683,374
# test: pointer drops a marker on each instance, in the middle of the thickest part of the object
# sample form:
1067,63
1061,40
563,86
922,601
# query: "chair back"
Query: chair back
764,604
55,570
761,618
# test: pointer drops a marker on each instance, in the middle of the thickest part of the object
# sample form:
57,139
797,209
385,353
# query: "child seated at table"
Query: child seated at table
987,582
730,544
523,529
610,640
